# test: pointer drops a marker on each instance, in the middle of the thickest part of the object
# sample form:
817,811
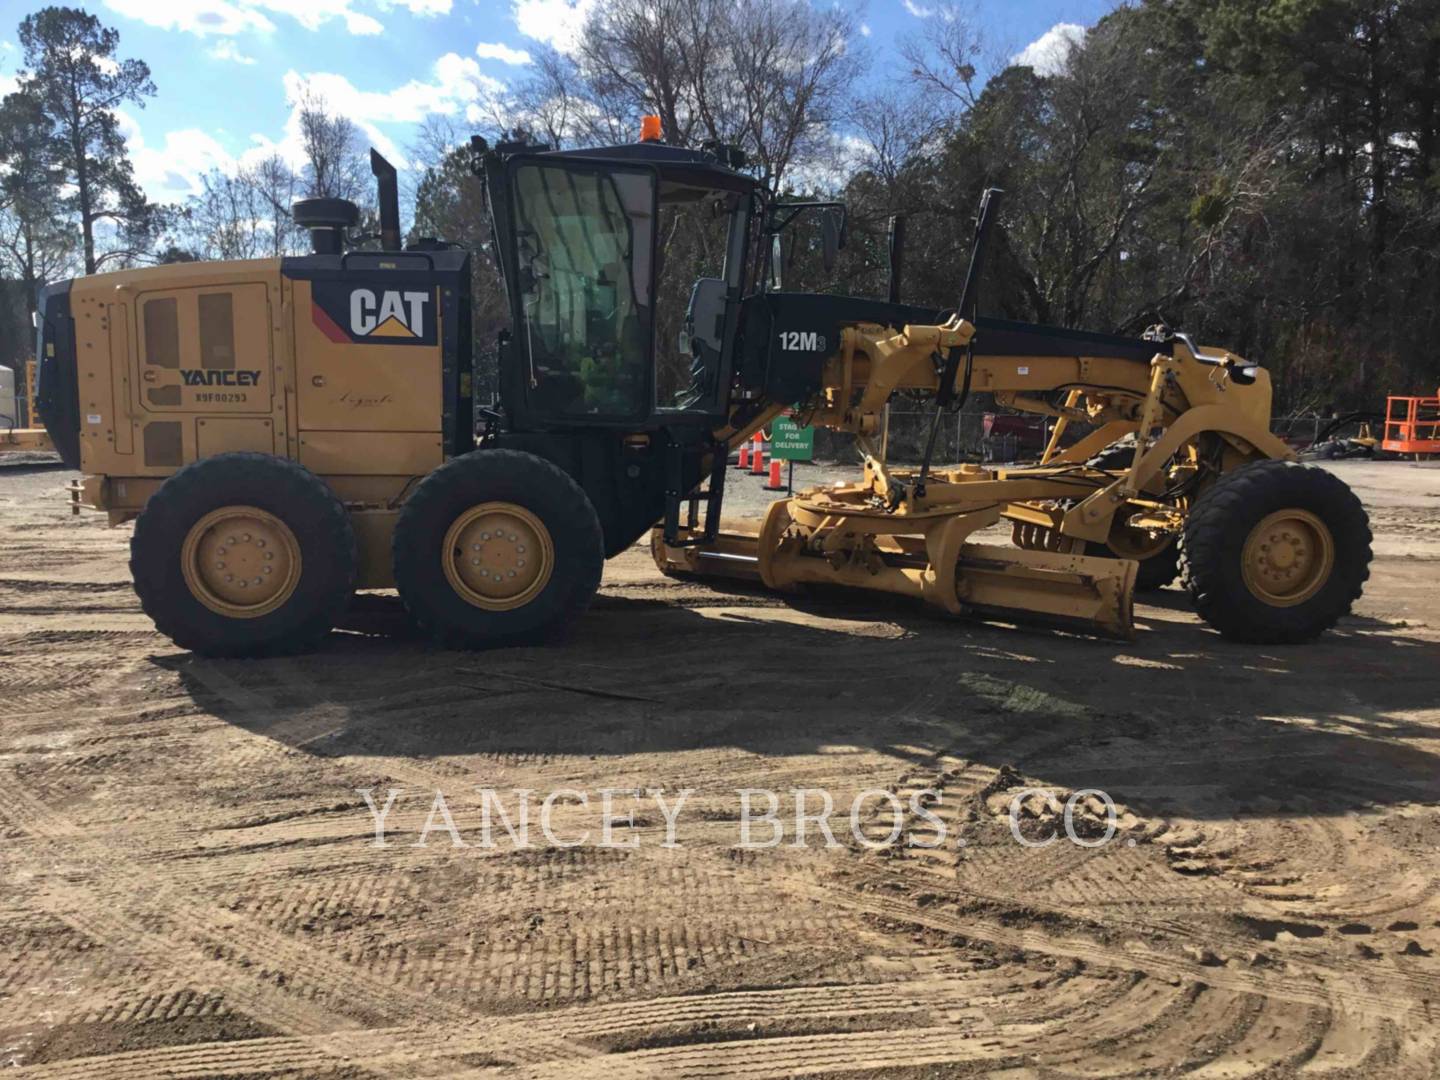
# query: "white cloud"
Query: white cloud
225,49
456,86
8,84
831,171
357,23
918,11
493,50
200,17
171,171
427,8
1049,54
313,14
556,22
226,18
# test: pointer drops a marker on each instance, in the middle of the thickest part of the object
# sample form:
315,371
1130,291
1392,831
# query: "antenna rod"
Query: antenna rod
897,255
969,300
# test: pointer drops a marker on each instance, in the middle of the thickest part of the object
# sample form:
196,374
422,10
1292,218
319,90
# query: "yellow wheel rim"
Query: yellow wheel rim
1288,557
498,556
241,562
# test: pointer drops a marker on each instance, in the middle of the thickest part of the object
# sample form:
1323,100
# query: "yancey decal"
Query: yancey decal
360,314
196,377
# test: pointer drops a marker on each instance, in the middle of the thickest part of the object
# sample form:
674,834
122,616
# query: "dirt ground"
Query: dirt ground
192,887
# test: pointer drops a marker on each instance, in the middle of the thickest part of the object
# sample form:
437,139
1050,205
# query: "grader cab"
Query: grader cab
286,431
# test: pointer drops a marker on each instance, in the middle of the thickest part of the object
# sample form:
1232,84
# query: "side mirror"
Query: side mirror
777,262
832,237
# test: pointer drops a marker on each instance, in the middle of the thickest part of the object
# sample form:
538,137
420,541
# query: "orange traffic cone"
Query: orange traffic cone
775,483
744,462
757,458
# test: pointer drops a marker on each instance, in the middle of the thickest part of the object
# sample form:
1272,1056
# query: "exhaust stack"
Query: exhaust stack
388,194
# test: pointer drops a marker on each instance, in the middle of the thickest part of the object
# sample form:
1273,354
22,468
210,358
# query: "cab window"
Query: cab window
586,241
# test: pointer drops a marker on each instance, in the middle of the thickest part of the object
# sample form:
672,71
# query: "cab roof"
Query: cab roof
700,169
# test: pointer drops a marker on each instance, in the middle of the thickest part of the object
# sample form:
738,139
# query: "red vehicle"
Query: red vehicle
1012,436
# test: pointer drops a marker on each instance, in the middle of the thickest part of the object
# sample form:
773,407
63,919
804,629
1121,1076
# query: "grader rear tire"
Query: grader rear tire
1275,552
244,554
498,547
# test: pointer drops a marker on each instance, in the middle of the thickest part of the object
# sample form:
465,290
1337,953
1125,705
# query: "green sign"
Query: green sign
790,442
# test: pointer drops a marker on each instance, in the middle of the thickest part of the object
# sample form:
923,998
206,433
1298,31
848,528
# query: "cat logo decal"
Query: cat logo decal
370,314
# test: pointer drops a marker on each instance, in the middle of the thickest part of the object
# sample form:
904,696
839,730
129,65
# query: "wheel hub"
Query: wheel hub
1288,557
498,556
241,562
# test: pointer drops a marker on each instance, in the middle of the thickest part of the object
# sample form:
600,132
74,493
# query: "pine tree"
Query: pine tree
75,79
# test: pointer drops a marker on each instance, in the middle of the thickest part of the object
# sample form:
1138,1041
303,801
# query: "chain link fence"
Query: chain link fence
961,436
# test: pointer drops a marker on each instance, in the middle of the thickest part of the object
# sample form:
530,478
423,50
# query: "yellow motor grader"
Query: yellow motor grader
287,431
15,436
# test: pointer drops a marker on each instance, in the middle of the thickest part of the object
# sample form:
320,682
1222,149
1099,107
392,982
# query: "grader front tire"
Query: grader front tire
497,547
1275,552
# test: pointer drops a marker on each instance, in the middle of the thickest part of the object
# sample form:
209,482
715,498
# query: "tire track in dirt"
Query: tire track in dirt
1337,982
242,696
674,1018
201,934
1137,878
1390,994
328,718
720,943
382,1047
1021,744
965,1040
806,1054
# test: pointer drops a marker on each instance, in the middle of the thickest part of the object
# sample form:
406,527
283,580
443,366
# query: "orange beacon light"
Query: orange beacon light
649,129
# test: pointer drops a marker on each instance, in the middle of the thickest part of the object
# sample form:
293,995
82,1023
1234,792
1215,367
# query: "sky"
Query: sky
228,71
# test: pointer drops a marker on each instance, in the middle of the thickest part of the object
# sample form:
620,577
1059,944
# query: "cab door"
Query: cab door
582,291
